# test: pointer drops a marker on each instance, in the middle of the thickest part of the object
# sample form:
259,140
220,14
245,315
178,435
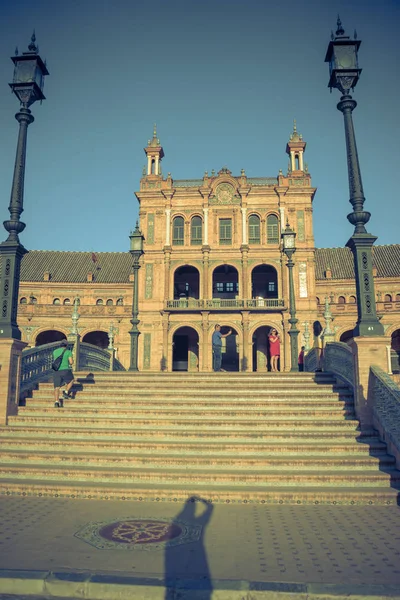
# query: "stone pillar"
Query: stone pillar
292,161
10,377
246,351
167,268
165,353
301,163
75,339
206,264
367,351
205,324
244,226
148,164
167,226
205,241
157,165
243,288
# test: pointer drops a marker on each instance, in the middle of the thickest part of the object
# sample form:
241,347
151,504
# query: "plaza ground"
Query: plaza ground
239,550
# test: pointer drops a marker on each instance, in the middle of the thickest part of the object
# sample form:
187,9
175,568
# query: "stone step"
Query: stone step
255,447
193,460
72,408
122,433
250,494
198,376
179,475
60,417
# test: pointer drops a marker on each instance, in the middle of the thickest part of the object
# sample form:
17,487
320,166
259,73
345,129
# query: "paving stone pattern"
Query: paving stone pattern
302,544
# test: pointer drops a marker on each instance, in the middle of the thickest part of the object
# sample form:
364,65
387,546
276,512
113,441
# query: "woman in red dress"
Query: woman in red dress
274,349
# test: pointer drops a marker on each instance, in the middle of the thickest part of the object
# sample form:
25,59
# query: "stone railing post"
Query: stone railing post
10,377
75,340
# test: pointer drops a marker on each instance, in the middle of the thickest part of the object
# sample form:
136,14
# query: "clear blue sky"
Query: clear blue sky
223,80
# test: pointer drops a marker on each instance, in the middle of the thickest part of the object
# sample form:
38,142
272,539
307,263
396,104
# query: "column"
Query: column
165,326
243,288
245,366
157,165
205,241
167,226
148,164
244,226
301,164
167,267
206,265
292,161
204,366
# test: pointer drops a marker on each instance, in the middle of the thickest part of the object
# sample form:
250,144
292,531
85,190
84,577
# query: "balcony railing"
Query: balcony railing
191,304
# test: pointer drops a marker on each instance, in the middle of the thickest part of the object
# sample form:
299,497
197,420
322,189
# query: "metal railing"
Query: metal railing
225,303
36,363
339,359
385,409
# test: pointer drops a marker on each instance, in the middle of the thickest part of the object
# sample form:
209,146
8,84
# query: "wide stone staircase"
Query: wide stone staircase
227,437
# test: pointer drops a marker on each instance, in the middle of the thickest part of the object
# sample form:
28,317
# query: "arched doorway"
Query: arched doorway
261,355
96,338
347,336
186,283
395,351
225,282
47,337
230,350
185,349
264,282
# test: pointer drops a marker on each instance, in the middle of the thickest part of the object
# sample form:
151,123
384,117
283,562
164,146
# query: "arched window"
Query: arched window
120,302
341,300
109,302
254,229
352,300
318,300
23,301
397,298
32,300
388,298
56,301
178,231
196,234
99,302
272,229
67,301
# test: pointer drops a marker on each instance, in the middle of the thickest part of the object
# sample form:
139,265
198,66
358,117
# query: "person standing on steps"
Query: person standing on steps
274,349
64,375
217,347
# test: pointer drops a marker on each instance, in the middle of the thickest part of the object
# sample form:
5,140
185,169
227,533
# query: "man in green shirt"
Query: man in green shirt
64,375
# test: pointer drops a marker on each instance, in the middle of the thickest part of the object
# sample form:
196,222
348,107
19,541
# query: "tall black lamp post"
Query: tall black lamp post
288,245
344,74
136,251
27,85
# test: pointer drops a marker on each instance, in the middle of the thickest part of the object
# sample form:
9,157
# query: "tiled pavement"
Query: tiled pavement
342,549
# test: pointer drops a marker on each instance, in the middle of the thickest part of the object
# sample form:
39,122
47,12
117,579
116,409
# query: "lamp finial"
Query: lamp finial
32,46
339,30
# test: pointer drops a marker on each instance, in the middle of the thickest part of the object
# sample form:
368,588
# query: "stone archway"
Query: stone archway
49,336
347,336
264,282
395,351
225,282
261,359
96,338
185,349
230,350
186,283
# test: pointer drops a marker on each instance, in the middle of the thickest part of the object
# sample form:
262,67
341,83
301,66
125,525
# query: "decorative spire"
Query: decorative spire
295,137
155,142
32,46
339,30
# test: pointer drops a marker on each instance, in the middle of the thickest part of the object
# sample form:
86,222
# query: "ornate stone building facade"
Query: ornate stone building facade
212,255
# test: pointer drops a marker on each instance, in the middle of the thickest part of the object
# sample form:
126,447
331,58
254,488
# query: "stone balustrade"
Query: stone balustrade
385,403
338,359
191,304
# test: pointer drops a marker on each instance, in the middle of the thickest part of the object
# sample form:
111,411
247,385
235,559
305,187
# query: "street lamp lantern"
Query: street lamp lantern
27,85
288,237
29,74
343,60
136,250
342,56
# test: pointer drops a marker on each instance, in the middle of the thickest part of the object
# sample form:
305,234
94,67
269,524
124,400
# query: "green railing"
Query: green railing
385,404
225,303
36,363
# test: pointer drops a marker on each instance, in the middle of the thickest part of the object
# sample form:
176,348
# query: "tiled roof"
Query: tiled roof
386,259
115,267
73,267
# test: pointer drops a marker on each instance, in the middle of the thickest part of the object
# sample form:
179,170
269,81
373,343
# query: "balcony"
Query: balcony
225,304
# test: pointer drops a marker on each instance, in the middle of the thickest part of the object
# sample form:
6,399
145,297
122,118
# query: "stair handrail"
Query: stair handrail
97,359
36,365
338,359
384,400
